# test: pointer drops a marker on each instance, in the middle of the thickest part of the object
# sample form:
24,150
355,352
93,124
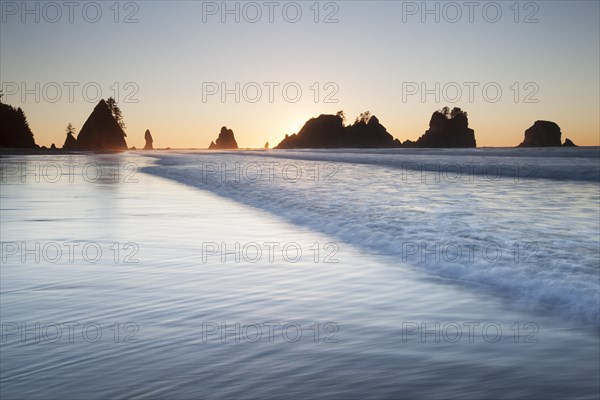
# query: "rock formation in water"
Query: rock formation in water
367,132
225,141
70,142
14,128
325,131
542,134
149,140
447,129
545,134
101,131
328,131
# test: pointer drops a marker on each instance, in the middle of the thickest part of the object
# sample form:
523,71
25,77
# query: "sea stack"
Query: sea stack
101,131
542,134
149,140
70,142
328,131
325,131
225,141
447,129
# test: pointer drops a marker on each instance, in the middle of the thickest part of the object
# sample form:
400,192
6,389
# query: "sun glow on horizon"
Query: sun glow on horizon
295,127
160,85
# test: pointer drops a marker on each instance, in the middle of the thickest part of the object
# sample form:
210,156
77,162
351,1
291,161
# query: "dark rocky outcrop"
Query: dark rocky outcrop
328,131
325,131
447,129
101,131
225,141
14,128
542,134
70,142
369,133
569,143
149,140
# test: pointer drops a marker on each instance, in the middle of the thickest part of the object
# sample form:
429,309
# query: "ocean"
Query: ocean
372,274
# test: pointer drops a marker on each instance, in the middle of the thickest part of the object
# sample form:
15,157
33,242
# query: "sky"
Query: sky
184,69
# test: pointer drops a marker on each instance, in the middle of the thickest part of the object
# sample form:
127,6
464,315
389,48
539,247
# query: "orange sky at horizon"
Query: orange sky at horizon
183,72
253,134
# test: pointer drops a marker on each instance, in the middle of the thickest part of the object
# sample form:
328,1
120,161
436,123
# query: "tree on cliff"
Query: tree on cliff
70,130
116,111
70,141
363,117
456,111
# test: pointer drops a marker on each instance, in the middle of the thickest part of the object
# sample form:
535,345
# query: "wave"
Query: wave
577,164
534,242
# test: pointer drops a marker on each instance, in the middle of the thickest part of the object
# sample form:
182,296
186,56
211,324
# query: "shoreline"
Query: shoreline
20,151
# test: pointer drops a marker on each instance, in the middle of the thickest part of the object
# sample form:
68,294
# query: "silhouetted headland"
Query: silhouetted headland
14,128
544,134
225,141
